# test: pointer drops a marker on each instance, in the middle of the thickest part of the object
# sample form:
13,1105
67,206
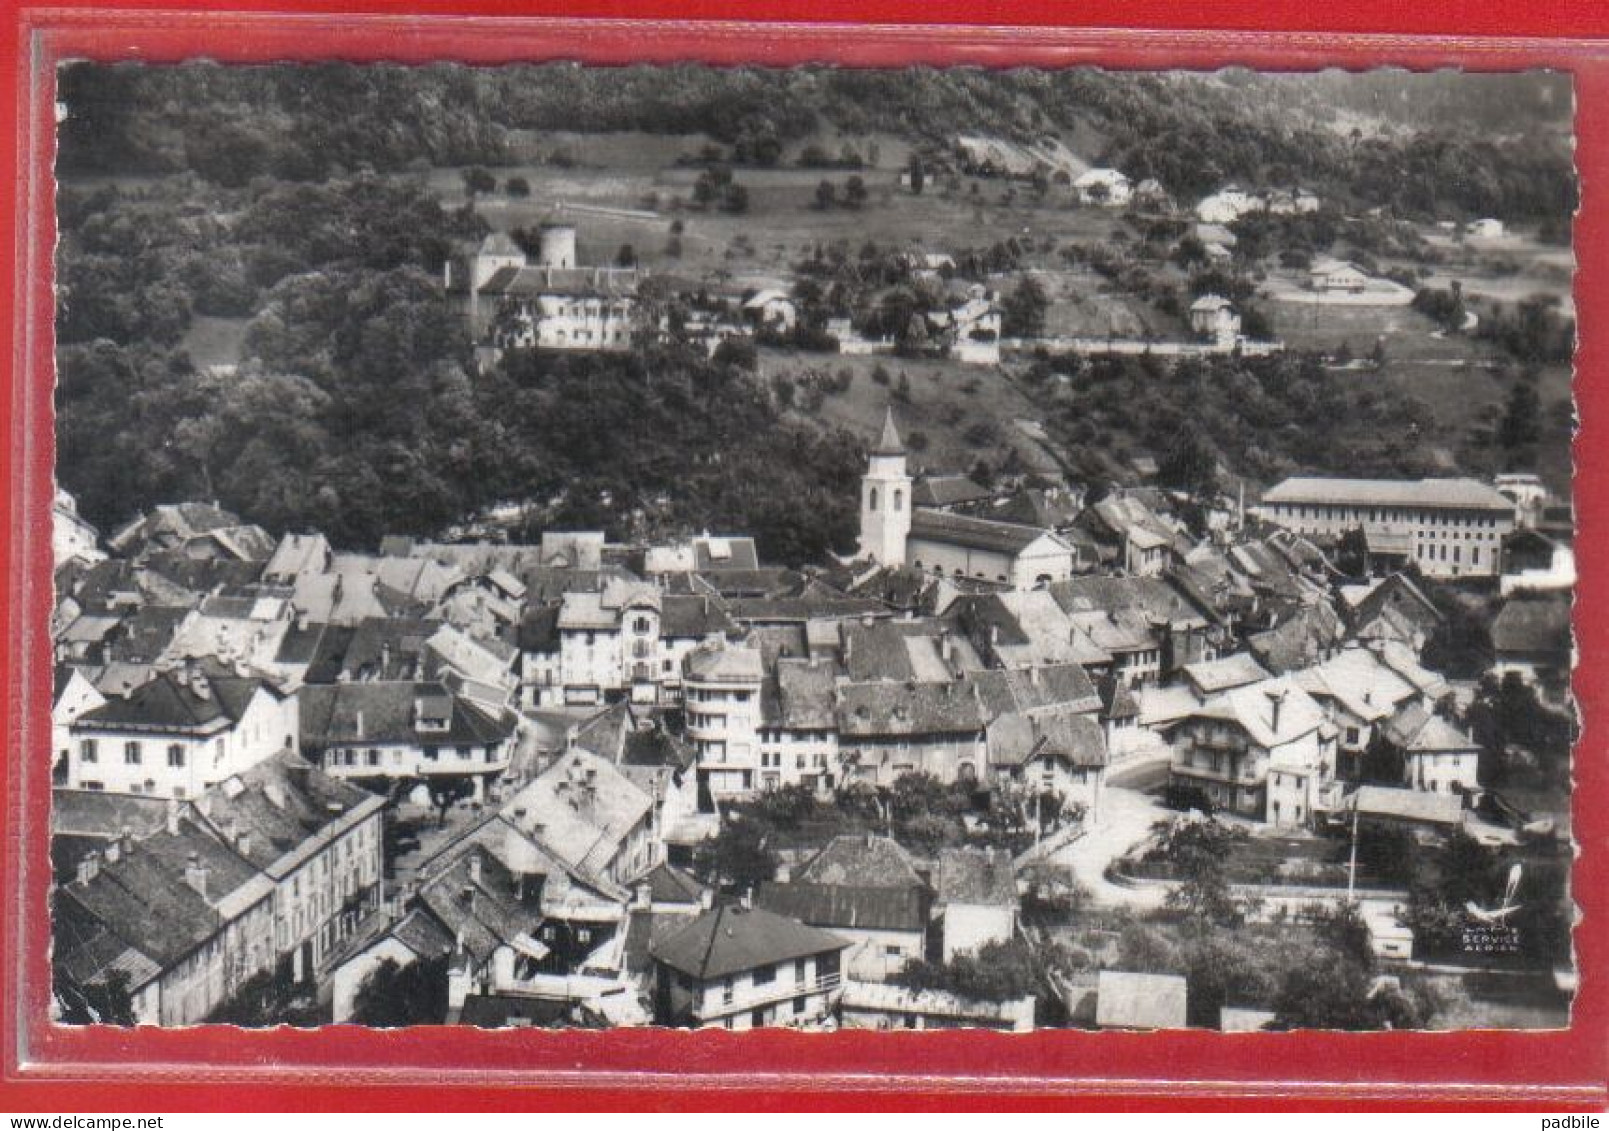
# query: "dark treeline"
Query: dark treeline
353,411
1192,132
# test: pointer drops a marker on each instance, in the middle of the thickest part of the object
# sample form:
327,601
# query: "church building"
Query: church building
894,533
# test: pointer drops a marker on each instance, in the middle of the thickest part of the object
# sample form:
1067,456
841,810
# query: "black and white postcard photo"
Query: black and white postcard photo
570,547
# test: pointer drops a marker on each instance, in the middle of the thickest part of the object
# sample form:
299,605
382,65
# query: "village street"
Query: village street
1125,819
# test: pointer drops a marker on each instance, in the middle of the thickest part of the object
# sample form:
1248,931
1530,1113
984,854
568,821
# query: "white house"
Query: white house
178,734
744,967
977,898
1106,187
1213,316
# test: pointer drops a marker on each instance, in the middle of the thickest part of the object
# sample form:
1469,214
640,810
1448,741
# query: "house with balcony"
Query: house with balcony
1230,744
721,686
741,967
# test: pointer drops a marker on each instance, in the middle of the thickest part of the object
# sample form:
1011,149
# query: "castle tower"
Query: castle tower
885,500
557,246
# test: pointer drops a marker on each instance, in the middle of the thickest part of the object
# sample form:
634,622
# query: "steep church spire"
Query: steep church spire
890,444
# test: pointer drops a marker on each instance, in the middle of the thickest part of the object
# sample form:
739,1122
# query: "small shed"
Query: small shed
1140,1001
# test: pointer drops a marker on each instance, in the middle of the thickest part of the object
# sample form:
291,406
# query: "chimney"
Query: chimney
173,817
114,849
706,899
1033,675
89,867
243,844
474,868
946,647
746,901
358,724
1278,700
195,874
784,874
642,895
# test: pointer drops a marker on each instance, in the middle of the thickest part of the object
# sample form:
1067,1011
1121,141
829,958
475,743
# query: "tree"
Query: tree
1022,313
1190,252
395,996
1522,418
517,186
735,199
1352,552
105,1002
1383,761
1326,990
478,180
626,256
826,195
918,175
445,792
1197,850
738,858
1190,466
855,192
996,971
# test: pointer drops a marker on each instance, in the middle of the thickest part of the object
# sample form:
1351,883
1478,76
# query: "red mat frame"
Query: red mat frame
88,1070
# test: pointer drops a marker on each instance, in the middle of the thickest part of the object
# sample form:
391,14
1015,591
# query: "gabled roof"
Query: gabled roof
861,860
978,876
1533,625
876,710
582,809
979,533
667,884
1059,687
178,703
847,907
1236,670
729,939
1077,740
477,901
1253,709
1407,805
332,713
277,807
947,491
101,815
803,695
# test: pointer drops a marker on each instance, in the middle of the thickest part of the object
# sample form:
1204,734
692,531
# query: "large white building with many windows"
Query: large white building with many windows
1447,527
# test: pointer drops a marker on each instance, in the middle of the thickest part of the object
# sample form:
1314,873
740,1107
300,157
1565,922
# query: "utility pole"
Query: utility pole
1352,866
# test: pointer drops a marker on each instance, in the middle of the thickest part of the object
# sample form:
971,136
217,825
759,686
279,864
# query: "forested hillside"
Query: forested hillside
1450,142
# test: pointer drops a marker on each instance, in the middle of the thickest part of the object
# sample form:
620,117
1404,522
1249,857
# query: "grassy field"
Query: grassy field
957,413
781,225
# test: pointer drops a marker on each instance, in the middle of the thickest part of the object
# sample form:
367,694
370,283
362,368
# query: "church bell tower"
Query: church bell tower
885,500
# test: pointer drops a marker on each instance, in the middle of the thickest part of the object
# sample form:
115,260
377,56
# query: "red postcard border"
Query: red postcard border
200,1068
